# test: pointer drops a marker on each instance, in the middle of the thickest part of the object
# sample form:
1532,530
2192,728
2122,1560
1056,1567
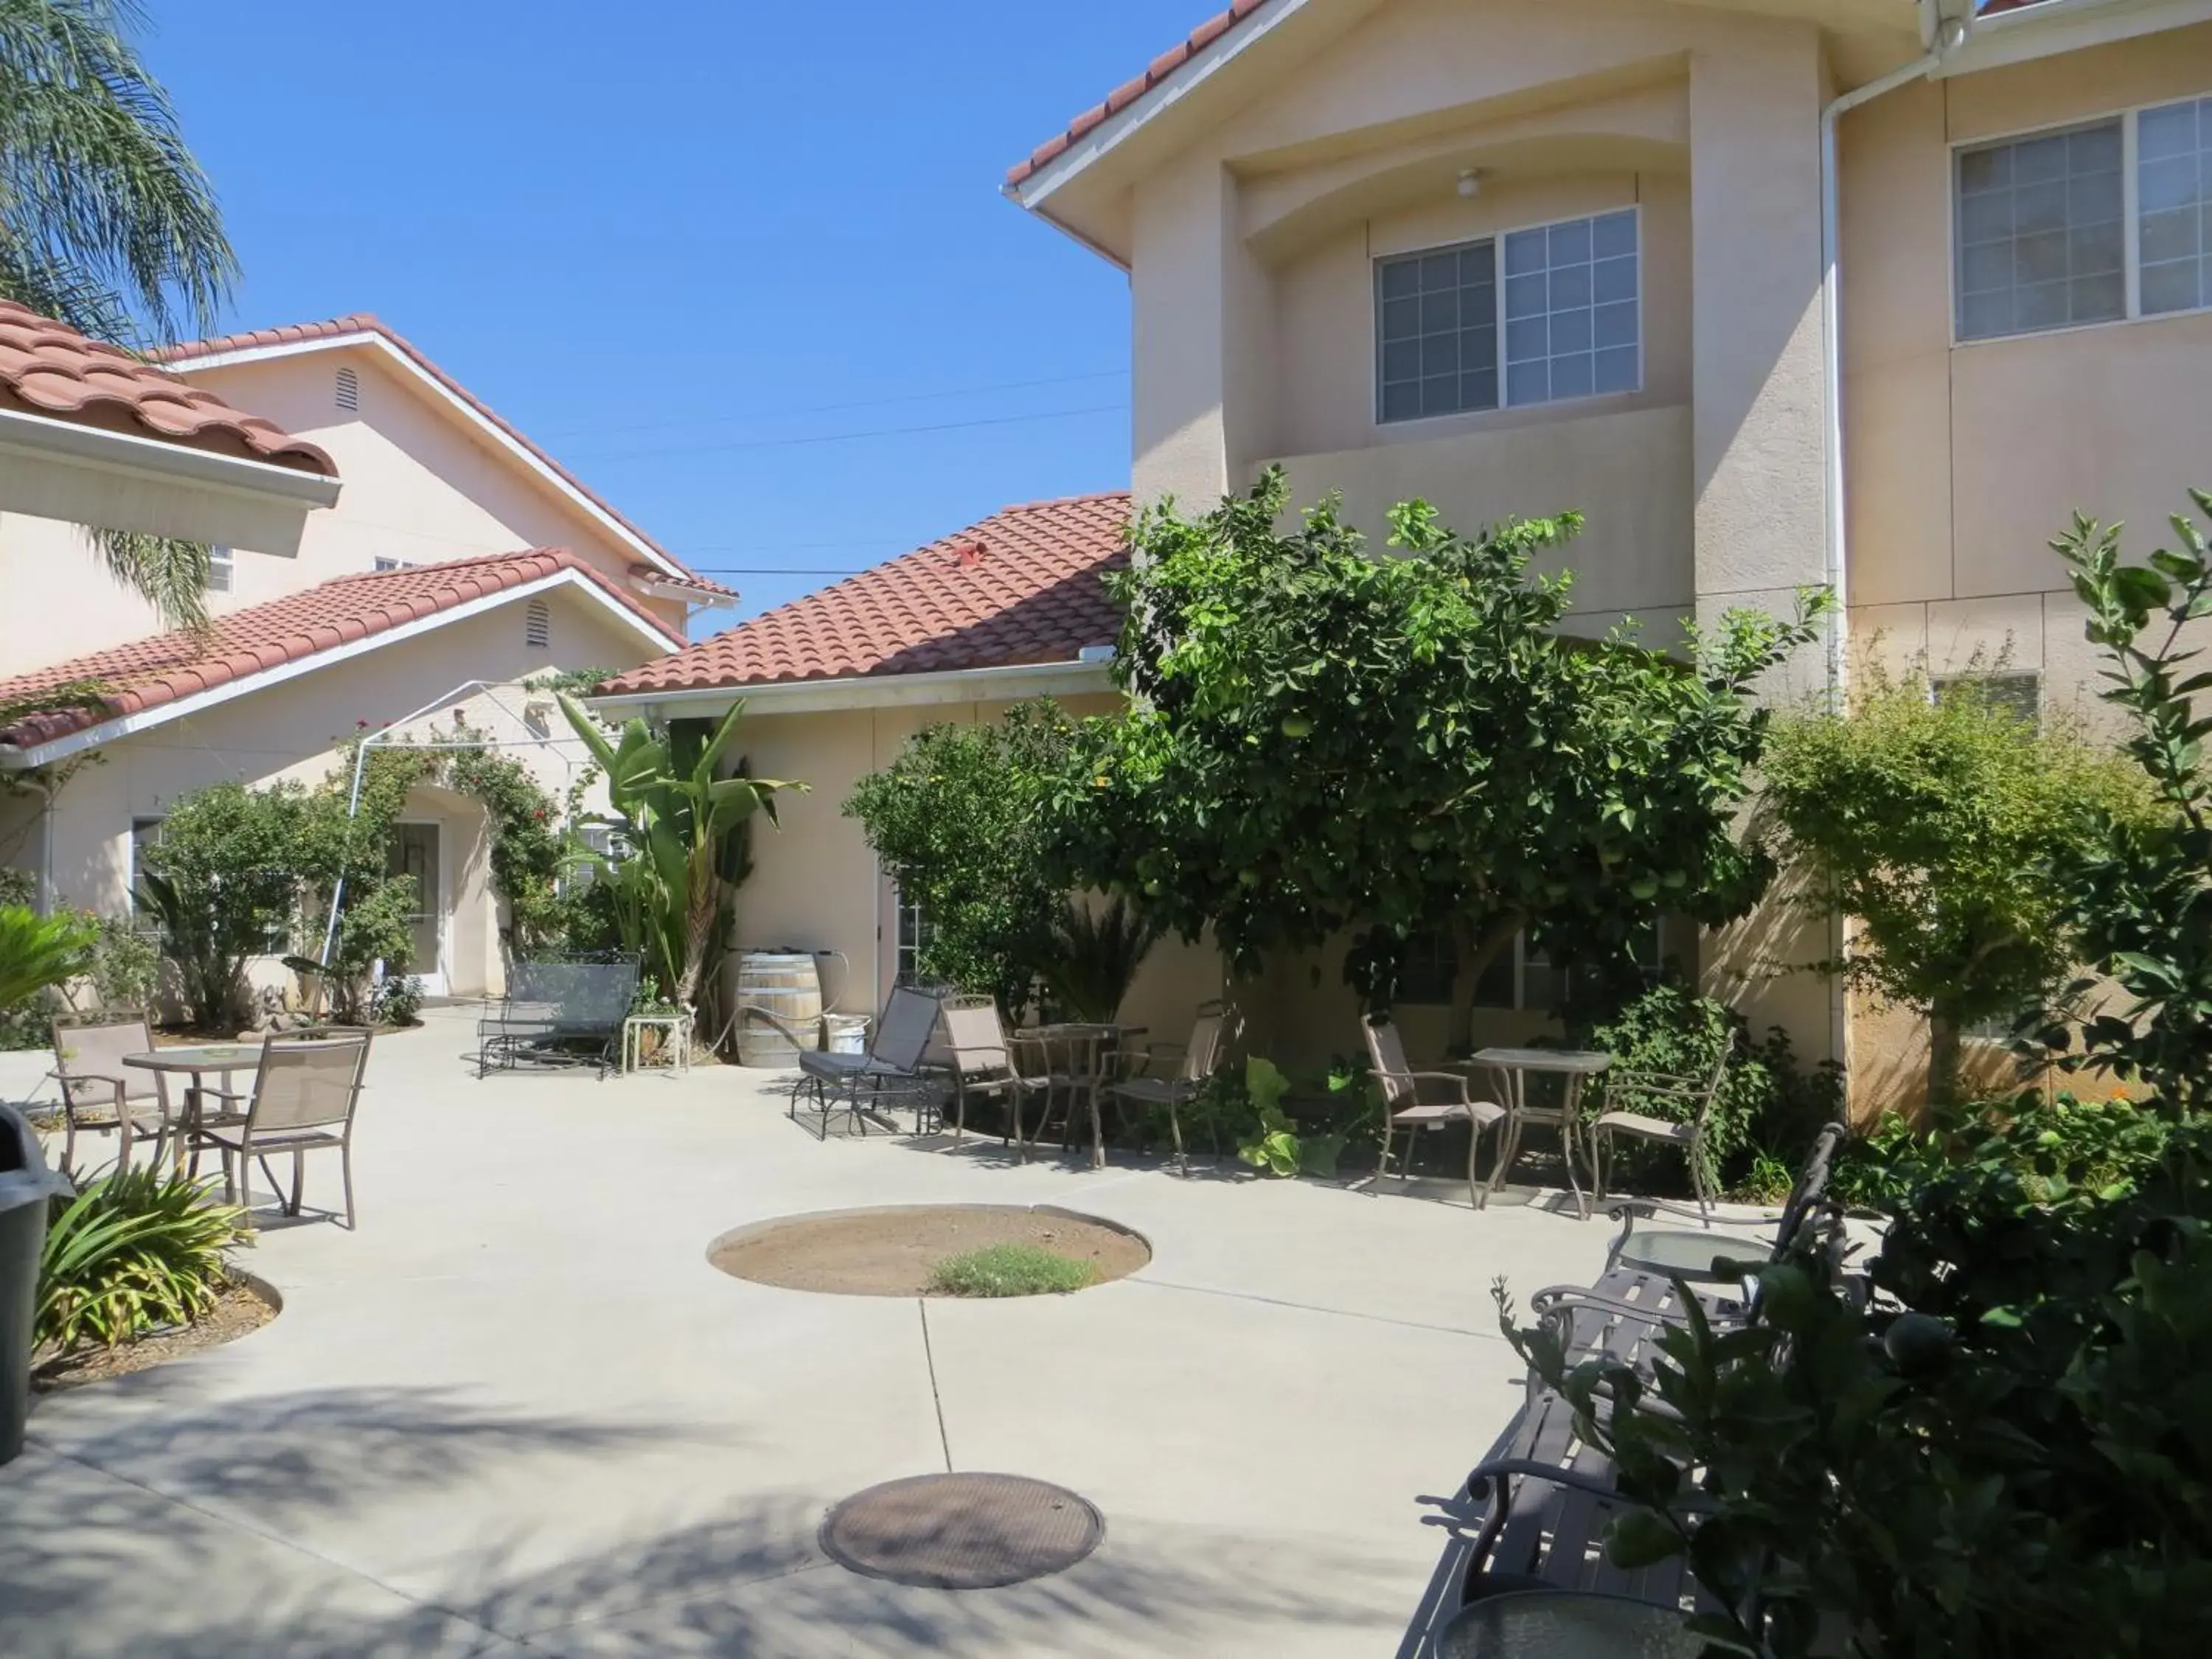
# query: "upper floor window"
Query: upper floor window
385,562
222,569
1567,313
2043,223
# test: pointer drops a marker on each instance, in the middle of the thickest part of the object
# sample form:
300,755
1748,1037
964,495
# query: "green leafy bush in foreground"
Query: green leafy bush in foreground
2053,1149
1010,1270
2008,1452
134,1250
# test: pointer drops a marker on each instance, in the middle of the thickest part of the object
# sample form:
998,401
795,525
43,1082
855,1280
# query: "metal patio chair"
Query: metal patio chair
304,1097
891,1064
1403,1107
1196,1061
973,1041
1667,1109
101,1095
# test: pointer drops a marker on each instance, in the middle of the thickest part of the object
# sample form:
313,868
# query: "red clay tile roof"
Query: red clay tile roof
48,368
149,673
362,322
1022,587
688,582
1129,91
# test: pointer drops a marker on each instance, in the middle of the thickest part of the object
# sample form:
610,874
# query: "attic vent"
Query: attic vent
538,625
348,389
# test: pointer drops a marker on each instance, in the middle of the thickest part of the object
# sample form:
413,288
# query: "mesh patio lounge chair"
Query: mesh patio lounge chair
891,1066
305,1093
557,1014
101,1095
1404,1108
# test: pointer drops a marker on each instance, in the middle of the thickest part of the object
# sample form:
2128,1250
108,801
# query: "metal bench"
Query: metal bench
557,1014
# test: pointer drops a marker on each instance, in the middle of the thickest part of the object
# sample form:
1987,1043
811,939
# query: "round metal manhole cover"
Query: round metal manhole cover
962,1531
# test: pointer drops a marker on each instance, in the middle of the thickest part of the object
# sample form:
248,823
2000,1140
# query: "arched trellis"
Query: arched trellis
388,737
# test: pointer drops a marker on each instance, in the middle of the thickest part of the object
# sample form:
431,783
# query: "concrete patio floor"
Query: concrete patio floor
518,1413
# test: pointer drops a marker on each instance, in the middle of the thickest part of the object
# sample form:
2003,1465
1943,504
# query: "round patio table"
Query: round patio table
195,1061
1551,1624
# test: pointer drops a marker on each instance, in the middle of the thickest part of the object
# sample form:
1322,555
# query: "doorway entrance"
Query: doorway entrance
415,852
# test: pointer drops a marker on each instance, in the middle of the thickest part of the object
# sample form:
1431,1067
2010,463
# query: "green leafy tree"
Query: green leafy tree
2140,887
684,828
1936,823
1320,740
107,221
224,883
958,820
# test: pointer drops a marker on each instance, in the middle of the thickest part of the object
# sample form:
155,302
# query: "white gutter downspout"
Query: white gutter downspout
1941,34
1946,35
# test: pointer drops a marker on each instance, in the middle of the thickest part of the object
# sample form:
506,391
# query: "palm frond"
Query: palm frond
169,574
107,220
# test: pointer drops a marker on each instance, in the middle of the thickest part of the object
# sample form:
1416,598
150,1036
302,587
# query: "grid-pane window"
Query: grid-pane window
1429,965
1571,310
2041,237
913,936
2018,694
1436,332
2174,204
145,834
222,569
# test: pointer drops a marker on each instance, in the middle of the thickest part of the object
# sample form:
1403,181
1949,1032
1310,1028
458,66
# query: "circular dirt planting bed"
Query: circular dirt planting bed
924,1250
962,1531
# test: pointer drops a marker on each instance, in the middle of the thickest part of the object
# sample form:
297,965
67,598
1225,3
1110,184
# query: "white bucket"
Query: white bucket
848,1033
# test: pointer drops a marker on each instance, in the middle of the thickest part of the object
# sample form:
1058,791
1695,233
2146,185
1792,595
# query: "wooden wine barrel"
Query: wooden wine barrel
783,983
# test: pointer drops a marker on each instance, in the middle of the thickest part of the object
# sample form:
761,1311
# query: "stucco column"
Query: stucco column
1756,371
1201,340
1757,382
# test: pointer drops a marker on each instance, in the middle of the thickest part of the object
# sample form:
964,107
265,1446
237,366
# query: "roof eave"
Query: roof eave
509,441
1008,682
16,759
1081,155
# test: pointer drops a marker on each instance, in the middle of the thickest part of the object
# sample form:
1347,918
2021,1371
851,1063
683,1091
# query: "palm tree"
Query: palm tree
107,222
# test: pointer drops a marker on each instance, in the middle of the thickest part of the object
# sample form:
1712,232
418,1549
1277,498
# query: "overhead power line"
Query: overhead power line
847,437
826,409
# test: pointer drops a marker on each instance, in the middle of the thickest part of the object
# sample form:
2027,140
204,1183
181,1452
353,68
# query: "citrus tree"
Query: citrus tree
1320,739
1937,822
958,820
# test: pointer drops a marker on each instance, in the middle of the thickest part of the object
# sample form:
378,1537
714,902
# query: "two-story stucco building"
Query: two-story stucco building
459,562
1864,293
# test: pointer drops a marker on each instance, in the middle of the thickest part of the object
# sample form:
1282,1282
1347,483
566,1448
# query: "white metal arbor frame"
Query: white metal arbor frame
393,736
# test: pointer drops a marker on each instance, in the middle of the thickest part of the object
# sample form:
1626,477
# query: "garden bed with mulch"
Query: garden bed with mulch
242,1307
895,1250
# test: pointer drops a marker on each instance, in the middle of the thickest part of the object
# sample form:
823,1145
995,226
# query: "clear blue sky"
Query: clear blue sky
659,238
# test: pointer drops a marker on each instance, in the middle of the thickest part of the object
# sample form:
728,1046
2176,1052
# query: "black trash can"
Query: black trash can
26,1184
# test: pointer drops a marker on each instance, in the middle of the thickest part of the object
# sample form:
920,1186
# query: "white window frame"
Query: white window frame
1496,239
903,908
1652,971
154,821
222,569
2130,221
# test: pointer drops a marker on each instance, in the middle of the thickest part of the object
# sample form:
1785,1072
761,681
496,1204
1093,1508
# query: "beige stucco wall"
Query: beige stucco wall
1964,460
290,732
816,886
418,485
1703,489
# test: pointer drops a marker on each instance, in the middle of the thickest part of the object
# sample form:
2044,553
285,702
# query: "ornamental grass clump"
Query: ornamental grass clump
1010,1270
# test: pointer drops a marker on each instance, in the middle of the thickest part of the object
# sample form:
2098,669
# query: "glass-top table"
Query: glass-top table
1682,1252
1565,1625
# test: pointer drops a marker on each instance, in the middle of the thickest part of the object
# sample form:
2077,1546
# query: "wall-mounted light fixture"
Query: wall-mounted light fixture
1470,181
